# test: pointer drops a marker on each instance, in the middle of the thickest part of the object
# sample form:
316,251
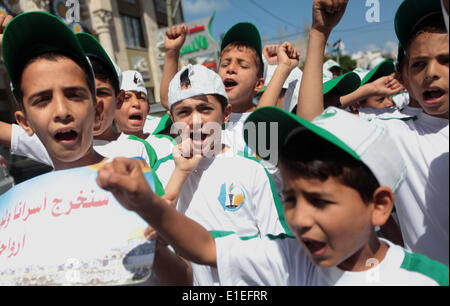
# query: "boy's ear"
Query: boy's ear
22,120
259,85
383,203
227,113
99,106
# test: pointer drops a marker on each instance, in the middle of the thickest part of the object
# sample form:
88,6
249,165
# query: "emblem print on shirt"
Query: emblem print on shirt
231,197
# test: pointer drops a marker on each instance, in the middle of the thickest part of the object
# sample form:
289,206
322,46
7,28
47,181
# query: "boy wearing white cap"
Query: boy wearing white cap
333,67
131,116
334,195
224,192
422,201
283,78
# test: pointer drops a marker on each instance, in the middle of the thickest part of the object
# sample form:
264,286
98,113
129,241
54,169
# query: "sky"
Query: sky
270,16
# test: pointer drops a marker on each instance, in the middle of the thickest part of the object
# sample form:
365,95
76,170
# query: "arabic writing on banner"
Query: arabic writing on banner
199,41
61,228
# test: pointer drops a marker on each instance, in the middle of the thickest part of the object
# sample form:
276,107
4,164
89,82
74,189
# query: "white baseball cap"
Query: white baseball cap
203,81
292,85
365,141
132,80
445,14
330,64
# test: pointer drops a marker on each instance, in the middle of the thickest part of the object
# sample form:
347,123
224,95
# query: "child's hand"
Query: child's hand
124,179
288,56
327,14
386,86
175,37
185,157
4,20
270,53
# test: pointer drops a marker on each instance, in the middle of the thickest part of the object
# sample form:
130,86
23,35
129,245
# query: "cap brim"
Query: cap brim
345,84
244,32
93,49
287,122
385,68
35,33
410,14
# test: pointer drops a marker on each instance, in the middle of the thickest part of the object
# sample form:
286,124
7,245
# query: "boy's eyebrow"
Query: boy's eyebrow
48,91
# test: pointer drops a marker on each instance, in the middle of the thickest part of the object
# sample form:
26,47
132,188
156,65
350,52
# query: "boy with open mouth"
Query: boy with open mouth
224,192
335,194
422,201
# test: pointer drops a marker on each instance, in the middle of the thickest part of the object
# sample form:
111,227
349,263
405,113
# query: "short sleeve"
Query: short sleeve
28,146
255,262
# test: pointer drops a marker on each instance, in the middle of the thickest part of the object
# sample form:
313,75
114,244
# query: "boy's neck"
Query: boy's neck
109,135
91,158
374,249
240,108
140,134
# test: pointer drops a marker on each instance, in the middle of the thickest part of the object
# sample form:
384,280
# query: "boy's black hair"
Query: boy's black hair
102,73
312,157
51,56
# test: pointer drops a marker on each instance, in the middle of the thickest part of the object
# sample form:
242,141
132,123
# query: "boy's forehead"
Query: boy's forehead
241,52
42,71
426,41
197,100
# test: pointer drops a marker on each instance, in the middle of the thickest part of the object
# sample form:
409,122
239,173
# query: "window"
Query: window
133,31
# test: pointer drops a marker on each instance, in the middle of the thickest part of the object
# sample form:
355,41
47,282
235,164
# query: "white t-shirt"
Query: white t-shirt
163,147
283,262
230,194
389,113
422,201
233,136
151,123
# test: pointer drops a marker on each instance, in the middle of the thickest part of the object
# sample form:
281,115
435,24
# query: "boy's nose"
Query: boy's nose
302,219
432,73
62,111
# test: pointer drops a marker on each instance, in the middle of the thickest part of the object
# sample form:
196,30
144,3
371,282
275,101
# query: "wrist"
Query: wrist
173,52
319,33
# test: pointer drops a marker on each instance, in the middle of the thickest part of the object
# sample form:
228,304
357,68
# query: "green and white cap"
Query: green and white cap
411,13
345,84
94,49
245,32
330,64
132,80
382,67
34,33
366,142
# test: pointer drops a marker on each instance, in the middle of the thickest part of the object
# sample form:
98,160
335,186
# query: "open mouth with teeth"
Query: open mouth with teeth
229,84
66,136
316,248
433,96
136,119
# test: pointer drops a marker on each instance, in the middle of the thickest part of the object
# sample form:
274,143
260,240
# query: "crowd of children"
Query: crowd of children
265,174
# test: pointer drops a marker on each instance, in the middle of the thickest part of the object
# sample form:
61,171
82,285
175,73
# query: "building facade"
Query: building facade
125,28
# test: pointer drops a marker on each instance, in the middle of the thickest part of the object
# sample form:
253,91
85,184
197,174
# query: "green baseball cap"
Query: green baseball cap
385,68
34,33
345,84
244,32
411,13
93,49
362,140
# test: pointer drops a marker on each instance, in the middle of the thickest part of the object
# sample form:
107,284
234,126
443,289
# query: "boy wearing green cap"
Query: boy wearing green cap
422,202
107,140
334,195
